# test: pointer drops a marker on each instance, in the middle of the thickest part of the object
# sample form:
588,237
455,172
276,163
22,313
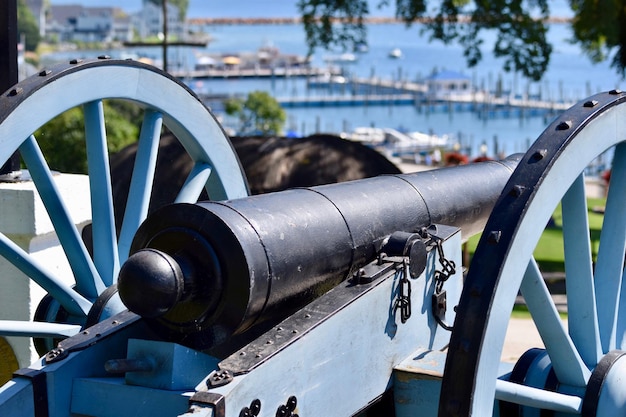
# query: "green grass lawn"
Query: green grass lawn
549,250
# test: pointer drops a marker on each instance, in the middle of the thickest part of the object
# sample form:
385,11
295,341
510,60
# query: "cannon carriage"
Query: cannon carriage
336,300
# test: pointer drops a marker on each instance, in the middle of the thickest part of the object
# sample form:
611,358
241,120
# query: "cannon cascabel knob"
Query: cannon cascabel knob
150,283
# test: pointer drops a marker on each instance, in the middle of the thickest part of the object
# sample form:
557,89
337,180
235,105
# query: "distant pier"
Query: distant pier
458,103
331,89
236,72
298,20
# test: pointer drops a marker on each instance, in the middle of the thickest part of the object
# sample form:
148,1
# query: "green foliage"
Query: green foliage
519,25
599,28
259,114
27,26
62,139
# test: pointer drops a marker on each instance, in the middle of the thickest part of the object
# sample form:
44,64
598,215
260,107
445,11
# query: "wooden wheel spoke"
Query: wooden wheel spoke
142,179
105,252
71,300
37,329
88,281
195,183
566,361
537,398
583,320
610,264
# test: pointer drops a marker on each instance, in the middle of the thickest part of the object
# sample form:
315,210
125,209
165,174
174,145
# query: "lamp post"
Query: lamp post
8,65
164,5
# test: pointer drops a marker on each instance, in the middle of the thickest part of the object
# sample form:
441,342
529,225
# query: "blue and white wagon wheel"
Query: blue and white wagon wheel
582,369
165,102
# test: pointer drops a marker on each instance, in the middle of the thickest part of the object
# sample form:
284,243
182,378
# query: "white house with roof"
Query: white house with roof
88,24
105,24
445,85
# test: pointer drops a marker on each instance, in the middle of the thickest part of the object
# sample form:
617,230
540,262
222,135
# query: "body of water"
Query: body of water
570,76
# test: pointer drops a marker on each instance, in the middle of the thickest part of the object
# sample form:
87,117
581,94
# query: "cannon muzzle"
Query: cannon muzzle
203,272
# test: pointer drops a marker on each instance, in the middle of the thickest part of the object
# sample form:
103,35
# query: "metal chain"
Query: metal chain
439,297
403,302
448,267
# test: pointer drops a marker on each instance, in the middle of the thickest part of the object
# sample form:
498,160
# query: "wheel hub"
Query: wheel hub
605,394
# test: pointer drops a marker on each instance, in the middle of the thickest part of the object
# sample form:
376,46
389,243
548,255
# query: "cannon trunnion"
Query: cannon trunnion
339,300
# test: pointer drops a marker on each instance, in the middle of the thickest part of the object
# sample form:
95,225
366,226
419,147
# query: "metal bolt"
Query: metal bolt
255,407
292,402
615,92
15,91
564,125
591,103
517,190
219,378
282,411
76,61
494,237
540,154
307,316
45,72
104,57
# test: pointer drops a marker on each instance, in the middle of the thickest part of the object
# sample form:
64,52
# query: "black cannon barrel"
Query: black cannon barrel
202,272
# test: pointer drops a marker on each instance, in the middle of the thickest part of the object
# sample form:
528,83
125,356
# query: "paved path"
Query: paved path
520,336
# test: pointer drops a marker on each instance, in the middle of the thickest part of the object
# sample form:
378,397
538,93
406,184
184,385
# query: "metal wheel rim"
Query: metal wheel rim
546,172
166,101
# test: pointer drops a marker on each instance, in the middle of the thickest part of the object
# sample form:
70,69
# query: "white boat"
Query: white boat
395,53
366,135
396,140
345,57
325,80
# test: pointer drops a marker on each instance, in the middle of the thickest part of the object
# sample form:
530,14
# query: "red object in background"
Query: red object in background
456,158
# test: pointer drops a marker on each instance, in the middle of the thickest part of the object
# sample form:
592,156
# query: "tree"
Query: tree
27,26
62,139
259,114
520,26
600,30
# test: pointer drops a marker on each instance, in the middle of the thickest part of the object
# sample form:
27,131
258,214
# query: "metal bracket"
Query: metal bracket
91,336
217,401
38,380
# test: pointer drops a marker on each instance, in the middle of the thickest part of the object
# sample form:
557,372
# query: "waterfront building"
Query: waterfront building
87,24
149,21
71,23
448,84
